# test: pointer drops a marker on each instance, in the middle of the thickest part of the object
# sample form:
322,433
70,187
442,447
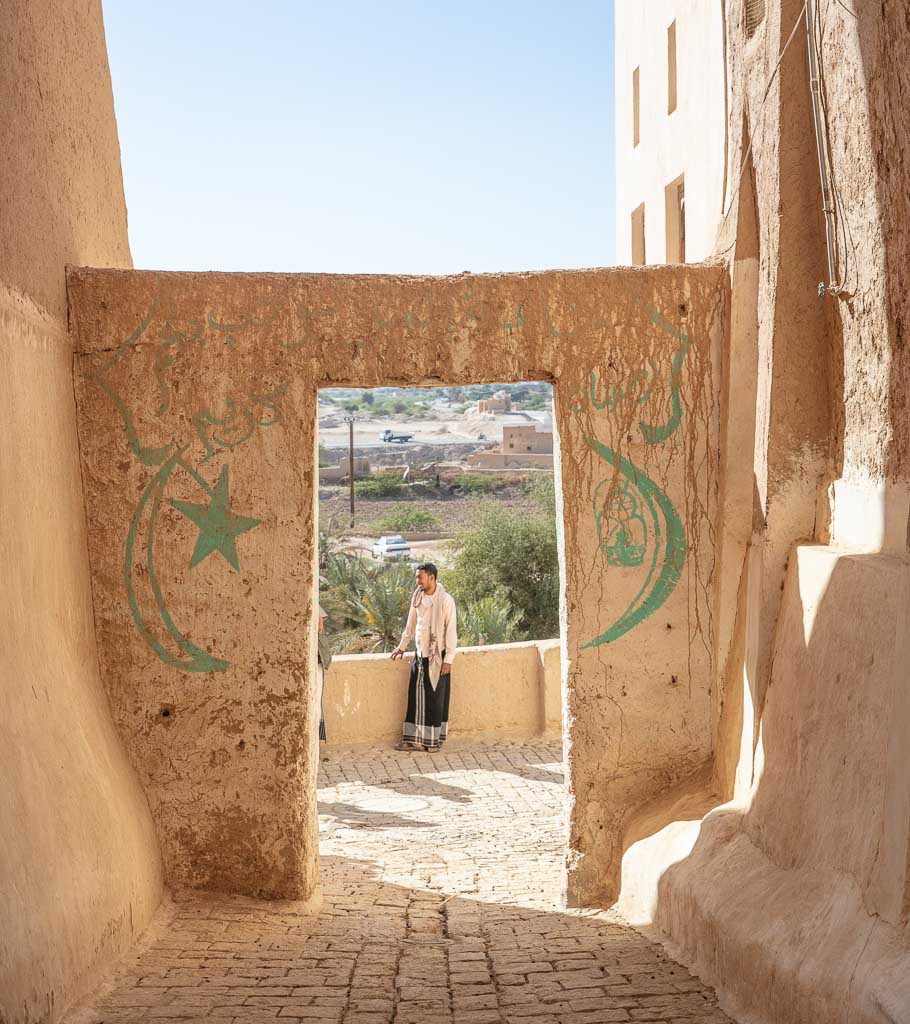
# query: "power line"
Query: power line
761,108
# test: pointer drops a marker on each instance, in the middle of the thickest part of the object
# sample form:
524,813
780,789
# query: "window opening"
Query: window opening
433,468
675,201
638,236
671,68
755,15
636,109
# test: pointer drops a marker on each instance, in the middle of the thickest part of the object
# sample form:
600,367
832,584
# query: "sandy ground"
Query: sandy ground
444,428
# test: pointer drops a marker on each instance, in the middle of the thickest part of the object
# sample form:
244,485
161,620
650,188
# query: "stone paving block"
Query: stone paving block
446,913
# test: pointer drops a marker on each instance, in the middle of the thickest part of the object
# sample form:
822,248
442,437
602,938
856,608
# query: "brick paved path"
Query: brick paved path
441,882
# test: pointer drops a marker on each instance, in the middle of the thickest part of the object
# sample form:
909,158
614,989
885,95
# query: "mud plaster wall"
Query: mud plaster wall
197,410
868,96
362,702
80,873
815,838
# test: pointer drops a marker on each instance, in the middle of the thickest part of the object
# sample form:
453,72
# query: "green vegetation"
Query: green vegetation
542,489
505,580
536,402
403,517
379,485
478,483
514,555
489,620
367,606
379,403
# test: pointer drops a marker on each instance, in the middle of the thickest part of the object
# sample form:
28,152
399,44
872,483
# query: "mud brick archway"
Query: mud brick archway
197,402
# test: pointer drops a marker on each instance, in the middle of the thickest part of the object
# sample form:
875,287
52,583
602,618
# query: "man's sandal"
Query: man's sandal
405,745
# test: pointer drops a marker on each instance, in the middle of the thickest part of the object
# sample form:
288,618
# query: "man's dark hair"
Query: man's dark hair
429,569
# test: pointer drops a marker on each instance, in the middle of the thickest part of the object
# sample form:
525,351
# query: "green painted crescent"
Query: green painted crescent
669,547
192,658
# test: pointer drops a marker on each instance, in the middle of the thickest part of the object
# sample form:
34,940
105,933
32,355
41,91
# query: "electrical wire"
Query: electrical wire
745,160
845,244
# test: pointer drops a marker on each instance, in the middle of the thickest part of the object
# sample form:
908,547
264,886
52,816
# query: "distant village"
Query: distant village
495,434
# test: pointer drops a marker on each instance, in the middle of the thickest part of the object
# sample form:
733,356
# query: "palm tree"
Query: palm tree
377,607
490,620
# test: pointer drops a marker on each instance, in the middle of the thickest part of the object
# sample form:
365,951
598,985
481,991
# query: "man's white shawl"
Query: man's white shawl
443,636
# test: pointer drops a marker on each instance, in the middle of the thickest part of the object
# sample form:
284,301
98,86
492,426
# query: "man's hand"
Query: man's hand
446,668
397,653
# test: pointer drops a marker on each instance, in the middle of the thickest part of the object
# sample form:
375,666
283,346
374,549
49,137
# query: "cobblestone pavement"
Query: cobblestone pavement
441,878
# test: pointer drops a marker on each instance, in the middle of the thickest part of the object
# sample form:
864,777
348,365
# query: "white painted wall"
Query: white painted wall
689,141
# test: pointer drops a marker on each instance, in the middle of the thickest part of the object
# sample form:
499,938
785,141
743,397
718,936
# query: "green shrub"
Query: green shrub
380,485
477,483
514,554
542,490
489,620
536,402
367,605
404,517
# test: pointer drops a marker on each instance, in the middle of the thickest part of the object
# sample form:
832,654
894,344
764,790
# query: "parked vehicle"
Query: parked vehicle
390,437
391,546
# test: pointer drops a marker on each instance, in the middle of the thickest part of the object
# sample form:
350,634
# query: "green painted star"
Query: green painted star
218,526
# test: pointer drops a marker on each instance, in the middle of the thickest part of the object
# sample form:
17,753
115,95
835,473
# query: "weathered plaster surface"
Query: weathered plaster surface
504,690
61,191
187,380
792,896
868,95
80,874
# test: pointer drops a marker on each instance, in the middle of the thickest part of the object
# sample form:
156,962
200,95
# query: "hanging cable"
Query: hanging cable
834,286
761,107
845,244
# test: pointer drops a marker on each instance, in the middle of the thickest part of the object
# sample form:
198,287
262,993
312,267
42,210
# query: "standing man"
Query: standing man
432,621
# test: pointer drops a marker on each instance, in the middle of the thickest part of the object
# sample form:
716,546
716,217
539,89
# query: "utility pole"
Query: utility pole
350,422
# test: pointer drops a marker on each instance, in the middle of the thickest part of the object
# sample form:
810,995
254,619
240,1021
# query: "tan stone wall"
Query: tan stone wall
819,844
80,873
61,199
509,460
332,474
811,646
870,143
526,439
508,690
188,380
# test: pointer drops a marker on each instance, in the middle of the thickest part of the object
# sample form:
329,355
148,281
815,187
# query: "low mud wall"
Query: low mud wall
507,690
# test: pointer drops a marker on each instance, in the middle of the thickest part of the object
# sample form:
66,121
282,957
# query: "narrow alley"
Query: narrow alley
440,904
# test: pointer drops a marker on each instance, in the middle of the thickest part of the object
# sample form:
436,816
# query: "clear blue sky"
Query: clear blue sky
349,137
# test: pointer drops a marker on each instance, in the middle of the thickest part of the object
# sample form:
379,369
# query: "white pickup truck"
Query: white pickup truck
392,546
